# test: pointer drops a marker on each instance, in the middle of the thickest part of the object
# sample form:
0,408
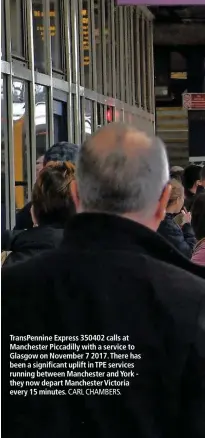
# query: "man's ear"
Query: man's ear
162,204
74,194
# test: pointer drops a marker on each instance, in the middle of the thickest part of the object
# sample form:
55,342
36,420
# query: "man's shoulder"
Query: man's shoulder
169,226
23,218
25,209
55,264
38,266
174,282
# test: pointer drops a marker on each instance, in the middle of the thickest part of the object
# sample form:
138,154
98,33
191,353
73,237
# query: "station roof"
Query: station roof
178,14
179,25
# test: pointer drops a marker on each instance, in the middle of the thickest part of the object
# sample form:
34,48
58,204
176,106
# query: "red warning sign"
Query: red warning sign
194,101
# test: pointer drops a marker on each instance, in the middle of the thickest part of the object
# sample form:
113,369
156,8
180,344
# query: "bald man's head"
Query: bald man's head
121,170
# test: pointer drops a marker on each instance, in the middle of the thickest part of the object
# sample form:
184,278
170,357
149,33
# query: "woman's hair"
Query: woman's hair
51,197
198,216
176,172
176,192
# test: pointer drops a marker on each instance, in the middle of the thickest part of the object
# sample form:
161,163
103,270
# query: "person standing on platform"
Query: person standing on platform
203,177
192,184
176,172
52,206
198,223
58,152
180,235
113,275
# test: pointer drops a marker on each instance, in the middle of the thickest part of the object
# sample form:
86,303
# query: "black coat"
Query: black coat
189,200
23,218
28,243
112,276
182,238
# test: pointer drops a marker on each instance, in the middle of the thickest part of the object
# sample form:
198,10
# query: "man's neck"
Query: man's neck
148,223
139,219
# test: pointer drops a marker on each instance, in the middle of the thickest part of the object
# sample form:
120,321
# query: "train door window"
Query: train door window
17,19
41,129
4,162
60,121
21,146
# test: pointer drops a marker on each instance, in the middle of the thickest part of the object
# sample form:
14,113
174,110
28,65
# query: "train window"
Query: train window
40,122
88,119
86,28
108,44
136,58
142,61
56,33
38,36
117,53
2,30
20,136
4,162
75,40
98,44
17,17
147,72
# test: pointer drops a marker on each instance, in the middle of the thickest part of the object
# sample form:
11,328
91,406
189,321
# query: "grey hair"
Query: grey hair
117,182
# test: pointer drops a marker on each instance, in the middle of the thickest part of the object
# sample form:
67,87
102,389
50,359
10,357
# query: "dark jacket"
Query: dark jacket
182,238
111,276
189,200
23,218
28,243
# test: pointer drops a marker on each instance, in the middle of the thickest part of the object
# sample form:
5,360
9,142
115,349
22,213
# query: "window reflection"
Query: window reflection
88,117
108,36
117,53
17,26
137,59
76,49
98,44
3,160
147,65
55,32
142,66
100,115
38,36
86,40
41,121
2,30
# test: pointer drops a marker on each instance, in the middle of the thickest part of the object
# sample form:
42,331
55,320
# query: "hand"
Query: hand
186,217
